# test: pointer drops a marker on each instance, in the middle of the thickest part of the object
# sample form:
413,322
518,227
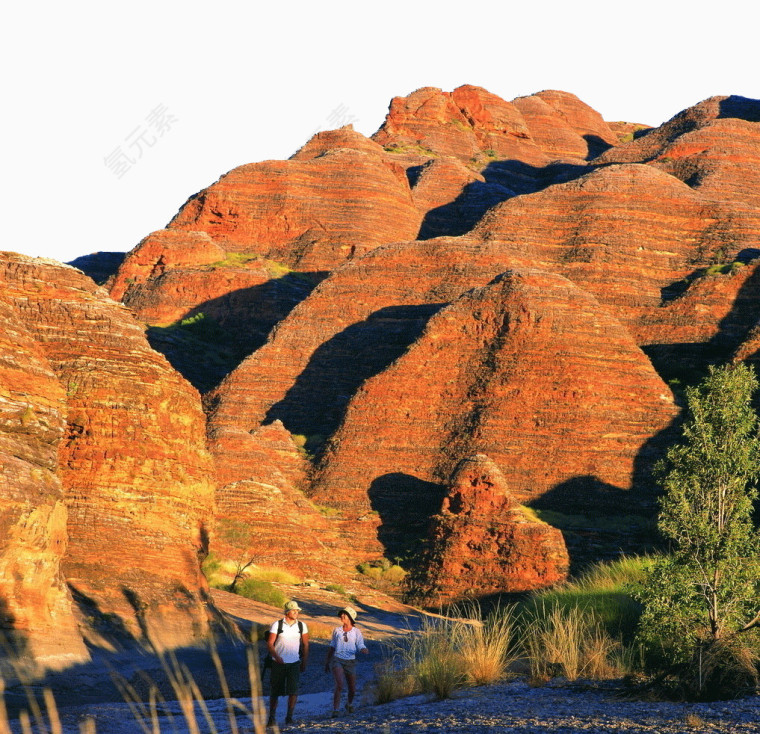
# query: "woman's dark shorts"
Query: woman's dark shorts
285,678
349,666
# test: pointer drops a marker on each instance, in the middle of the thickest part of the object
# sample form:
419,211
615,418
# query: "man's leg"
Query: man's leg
291,705
272,710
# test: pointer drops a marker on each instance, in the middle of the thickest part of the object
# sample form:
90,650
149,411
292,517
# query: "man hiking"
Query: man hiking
288,646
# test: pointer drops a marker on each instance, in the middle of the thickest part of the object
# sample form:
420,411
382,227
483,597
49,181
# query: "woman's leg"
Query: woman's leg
337,670
351,678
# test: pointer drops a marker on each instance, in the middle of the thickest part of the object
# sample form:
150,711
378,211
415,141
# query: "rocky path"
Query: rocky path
556,708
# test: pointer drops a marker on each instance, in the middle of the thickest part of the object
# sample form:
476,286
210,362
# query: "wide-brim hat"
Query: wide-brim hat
292,605
350,611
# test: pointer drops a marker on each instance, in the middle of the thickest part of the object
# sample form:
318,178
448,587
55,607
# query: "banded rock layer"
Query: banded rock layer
36,614
135,475
529,370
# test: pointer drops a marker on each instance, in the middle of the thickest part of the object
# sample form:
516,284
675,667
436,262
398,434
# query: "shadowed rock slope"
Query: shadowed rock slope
529,370
115,440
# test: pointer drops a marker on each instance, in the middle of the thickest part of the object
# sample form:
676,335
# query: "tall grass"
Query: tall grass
41,717
569,642
448,653
603,591
585,628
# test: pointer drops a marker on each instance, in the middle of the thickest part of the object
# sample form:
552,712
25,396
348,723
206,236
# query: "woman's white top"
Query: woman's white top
347,643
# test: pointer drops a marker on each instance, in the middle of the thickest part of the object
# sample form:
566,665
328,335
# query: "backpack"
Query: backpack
266,661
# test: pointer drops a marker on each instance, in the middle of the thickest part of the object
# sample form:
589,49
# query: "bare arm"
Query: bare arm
271,637
305,653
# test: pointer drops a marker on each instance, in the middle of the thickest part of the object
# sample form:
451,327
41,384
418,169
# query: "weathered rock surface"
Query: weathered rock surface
135,475
309,214
632,218
264,516
529,370
463,124
483,542
36,614
603,232
564,127
626,233
712,146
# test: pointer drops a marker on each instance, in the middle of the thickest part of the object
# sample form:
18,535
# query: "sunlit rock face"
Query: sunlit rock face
126,454
483,542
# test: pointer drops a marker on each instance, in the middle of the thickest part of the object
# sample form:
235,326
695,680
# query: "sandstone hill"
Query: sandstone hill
414,345
108,486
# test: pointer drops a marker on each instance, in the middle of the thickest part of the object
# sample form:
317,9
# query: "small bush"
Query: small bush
437,665
320,630
448,653
392,681
386,574
336,589
261,591
273,575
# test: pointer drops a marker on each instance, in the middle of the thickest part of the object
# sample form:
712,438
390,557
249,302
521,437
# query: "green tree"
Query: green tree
706,590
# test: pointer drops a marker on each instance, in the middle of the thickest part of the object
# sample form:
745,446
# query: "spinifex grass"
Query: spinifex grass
603,591
447,653
196,716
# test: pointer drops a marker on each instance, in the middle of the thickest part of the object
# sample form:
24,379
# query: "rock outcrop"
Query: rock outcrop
475,126
529,370
36,615
483,542
265,517
134,472
365,279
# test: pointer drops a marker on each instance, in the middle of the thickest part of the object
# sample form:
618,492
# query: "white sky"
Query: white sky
238,82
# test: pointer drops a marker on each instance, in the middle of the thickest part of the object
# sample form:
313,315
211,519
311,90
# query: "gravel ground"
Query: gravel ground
556,707
509,707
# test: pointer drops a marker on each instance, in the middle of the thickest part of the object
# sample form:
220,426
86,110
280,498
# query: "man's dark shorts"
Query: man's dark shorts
285,678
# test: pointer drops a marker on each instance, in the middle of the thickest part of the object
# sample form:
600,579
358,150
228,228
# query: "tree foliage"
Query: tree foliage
707,588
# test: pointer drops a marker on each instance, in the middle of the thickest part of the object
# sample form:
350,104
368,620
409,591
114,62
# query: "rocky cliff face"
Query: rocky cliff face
124,451
480,276
483,542
527,361
519,183
35,605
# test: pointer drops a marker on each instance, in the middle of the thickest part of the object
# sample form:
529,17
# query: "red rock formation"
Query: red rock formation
35,606
229,252
463,124
311,214
625,233
452,197
483,542
563,126
472,124
266,517
529,370
712,146
136,477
